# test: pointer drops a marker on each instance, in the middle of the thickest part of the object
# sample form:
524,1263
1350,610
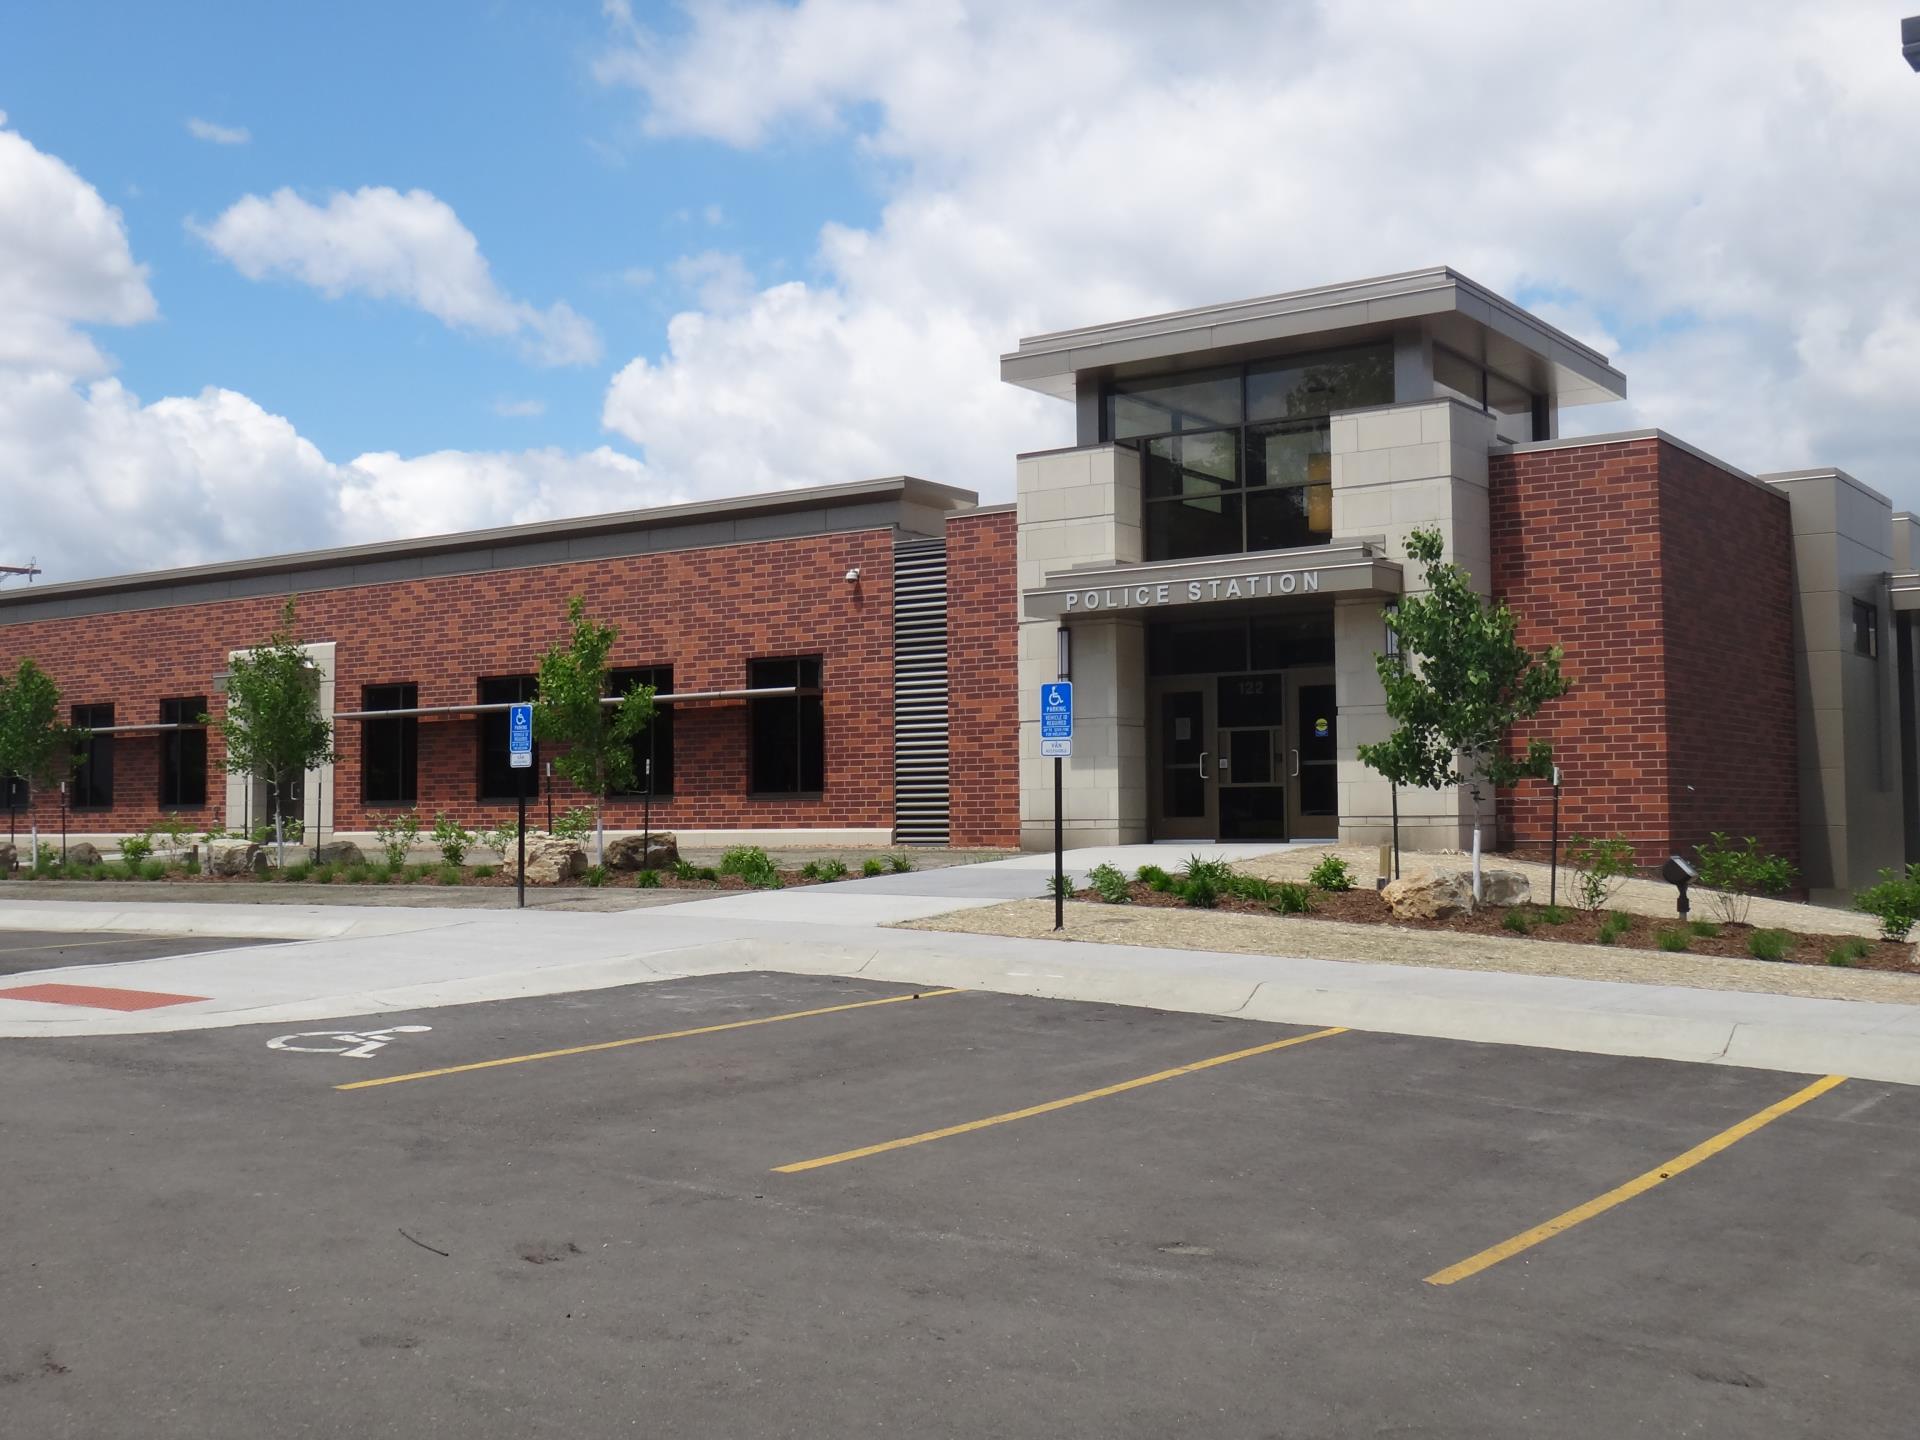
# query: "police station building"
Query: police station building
1209,563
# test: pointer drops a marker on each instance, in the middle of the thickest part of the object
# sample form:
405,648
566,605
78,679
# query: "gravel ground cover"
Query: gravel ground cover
1250,934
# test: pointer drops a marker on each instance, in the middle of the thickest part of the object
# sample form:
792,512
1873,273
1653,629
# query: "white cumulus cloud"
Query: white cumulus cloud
218,134
94,481
1723,196
407,247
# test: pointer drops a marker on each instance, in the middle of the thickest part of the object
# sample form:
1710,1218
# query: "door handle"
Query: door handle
1295,771
1203,766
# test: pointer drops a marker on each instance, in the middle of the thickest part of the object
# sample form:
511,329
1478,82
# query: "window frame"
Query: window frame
527,686
1243,434
409,730
618,678
174,745
803,704
1867,611
96,716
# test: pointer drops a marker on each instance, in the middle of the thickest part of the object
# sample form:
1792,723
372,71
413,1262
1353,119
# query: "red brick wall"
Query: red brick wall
1668,582
983,665
1726,548
705,612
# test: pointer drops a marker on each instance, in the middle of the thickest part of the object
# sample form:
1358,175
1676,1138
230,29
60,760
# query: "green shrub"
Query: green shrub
485,872
1289,897
1673,938
1154,878
647,880
900,864
1613,927
685,870
1216,874
297,871
1332,874
575,823
1198,891
1111,883
1256,888
1848,951
411,873
453,838
752,865
707,873
1704,929
153,869
1553,915
450,874
1598,865
596,876
810,870
1517,921
1734,874
357,873
116,870
832,869
324,874
191,865
135,848
1768,944
1895,902
503,840
396,830
873,865
1060,885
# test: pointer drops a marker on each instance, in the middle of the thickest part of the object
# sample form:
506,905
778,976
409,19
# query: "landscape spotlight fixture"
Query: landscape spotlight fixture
1910,40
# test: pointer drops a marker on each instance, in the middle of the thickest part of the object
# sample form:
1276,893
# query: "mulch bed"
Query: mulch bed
1581,927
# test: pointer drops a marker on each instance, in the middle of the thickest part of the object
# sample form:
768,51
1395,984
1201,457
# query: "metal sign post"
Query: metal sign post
520,757
1056,741
1553,868
646,821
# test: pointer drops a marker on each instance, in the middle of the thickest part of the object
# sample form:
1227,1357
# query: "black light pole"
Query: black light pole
549,765
646,821
520,877
1065,667
63,824
1910,40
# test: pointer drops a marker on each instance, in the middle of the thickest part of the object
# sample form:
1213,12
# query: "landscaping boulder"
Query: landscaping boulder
236,857
1430,895
627,853
9,857
1503,887
81,852
551,860
339,852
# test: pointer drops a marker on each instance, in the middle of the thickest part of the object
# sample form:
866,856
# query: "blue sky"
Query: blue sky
727,246
492,107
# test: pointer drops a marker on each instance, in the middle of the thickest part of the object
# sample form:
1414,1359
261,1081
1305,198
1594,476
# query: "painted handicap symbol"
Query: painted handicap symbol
354,1044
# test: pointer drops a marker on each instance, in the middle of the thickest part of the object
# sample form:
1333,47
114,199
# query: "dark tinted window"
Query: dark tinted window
92,787
1299,386
390,749
789,732
655,743
1866,629
498,779
1167,404
1293,640
183,753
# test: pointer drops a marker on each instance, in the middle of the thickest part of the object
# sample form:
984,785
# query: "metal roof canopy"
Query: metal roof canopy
1459,313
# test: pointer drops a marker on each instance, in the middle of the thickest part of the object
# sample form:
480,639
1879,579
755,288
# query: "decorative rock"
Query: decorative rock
236,857
83,853
8,856
340,852
1430,895
625,853
1503,887
550,860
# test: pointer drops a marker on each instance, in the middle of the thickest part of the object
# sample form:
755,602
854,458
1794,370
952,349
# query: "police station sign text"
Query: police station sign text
1177,592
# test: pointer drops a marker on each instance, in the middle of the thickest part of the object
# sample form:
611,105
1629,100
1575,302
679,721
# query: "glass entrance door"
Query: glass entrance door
1313,756
1253,741
1181,762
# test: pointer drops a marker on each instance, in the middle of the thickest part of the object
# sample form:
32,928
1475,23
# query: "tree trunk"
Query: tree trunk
279,835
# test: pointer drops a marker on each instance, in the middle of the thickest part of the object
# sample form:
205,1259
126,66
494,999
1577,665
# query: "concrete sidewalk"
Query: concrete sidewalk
359,961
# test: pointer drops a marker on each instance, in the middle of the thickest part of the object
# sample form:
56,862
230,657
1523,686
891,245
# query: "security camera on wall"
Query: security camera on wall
853,575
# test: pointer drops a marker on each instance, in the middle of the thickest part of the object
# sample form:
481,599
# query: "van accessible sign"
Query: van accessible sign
1257,586
1056,719
520,737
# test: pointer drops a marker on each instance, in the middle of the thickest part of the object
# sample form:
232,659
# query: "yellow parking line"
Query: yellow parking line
1050,1106
1527,1239
640,1040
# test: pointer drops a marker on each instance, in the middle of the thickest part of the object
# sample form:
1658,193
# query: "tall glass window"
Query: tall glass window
498,779
390,749
183,753
92,787
789,731
1239,459
1514,408
653,745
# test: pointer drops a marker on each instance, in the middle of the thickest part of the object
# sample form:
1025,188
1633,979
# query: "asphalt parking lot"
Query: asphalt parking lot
783,1206
24,951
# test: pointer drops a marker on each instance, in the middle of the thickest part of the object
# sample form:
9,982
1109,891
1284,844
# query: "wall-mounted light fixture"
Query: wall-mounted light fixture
1064,639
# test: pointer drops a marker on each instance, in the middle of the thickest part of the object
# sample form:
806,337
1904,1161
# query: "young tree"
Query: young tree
567,710
1459,685
273,728
34,743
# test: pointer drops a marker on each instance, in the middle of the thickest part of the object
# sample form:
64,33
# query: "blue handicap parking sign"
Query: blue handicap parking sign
520,737
1056,718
